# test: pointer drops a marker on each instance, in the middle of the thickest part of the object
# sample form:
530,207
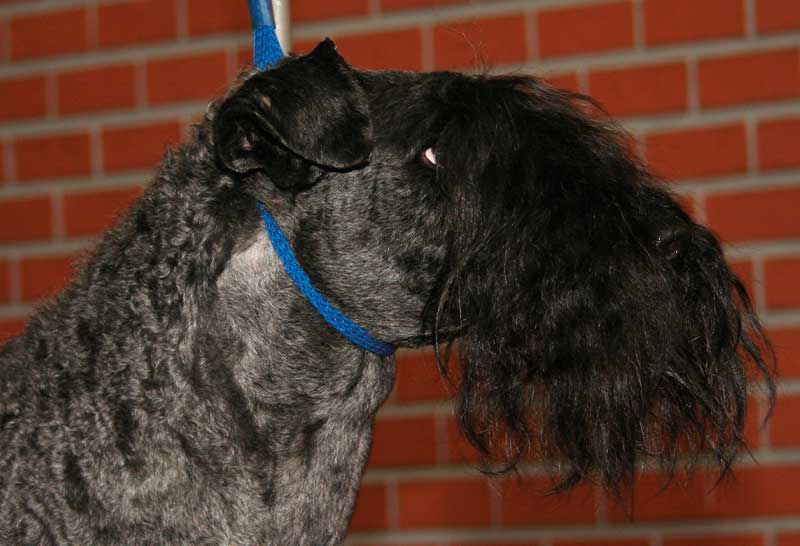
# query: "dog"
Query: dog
183,389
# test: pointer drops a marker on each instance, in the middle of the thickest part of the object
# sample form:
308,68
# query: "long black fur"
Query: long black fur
182,391
616,332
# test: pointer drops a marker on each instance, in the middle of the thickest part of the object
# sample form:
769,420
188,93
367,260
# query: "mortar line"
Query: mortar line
18,310
374,7
42,188
392,504
57,203
759,285
751,19
639,26
700,208
15,280
140,82
532,36
96,152
92,26
751,139
51,93
9,163
428,47
693,85
5,40
182,19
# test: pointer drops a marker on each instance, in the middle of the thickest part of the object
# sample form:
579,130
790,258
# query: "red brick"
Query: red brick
409,441
398,49
641,90
602,542
670,21
244,57
762,491
370,513
49,33
187,78
754,423
788,539
395,5
525,503
778,15
443,503
10,328
751,77
418,378
106,88
137,147
585,29
777,143
683,499
786,342
56,156
314,10
754,215
744,270
91,213
567,82
459,450
45,276
5,282
481,42
784,425
137,22
27,219
726,540
214,16
780,279
698,153
4,39
23,98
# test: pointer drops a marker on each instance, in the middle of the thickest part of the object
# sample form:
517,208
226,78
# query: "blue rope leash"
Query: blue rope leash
266,53
266,47
349,329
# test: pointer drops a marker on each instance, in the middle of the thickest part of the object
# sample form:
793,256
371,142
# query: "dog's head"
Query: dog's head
595,321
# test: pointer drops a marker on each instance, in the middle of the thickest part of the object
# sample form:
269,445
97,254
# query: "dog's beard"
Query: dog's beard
598,326
602,365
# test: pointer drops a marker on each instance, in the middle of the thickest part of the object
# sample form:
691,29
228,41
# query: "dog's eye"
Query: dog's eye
429,157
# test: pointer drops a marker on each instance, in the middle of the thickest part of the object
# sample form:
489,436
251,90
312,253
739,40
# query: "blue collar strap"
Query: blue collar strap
349,329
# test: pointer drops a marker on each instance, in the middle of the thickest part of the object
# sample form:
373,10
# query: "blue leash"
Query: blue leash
266,47
266,53
349,329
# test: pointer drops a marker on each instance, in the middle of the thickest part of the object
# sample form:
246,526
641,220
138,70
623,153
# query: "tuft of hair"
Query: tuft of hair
596,324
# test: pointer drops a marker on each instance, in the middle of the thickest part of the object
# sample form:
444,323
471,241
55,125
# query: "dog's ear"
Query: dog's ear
312,107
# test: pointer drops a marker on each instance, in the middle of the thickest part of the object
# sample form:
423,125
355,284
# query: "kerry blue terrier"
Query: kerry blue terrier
184,390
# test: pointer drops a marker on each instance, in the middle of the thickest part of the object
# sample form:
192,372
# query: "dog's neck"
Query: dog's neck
311,394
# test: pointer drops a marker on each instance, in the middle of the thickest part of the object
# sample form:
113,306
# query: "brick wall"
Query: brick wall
91,91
